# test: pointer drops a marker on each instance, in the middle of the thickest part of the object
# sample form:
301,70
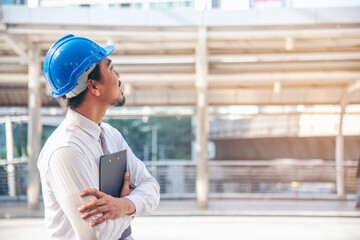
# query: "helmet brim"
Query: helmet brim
109,49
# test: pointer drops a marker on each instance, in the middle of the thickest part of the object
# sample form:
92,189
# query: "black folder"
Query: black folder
112,169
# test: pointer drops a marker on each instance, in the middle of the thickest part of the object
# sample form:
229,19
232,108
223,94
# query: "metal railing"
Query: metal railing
227,179
197,4
13,178
254,179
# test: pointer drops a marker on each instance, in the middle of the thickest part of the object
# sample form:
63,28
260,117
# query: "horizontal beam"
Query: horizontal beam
160,77
181,79
16,68
314,43
283,33
286,77
180,17
284,57
353,87
131,78
66,3
10,59
153,59
236,34
16,79
221,96
128,44
151,34
263,67
15,46
118,59
228,58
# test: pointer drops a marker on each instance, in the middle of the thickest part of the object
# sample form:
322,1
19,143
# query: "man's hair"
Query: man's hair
76,101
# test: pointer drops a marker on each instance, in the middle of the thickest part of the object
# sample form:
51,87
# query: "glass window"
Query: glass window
125,5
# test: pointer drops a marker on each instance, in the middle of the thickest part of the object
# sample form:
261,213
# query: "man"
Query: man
357,206
79,70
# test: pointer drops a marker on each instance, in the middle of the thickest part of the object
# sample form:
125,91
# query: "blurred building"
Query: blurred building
275,84
292,132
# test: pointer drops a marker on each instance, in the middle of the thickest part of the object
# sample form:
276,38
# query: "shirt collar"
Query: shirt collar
84,123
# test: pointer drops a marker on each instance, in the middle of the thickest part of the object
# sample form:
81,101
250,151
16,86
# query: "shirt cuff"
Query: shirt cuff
137,202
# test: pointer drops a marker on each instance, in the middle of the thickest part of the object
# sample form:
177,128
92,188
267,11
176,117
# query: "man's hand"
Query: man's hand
126,189
111,207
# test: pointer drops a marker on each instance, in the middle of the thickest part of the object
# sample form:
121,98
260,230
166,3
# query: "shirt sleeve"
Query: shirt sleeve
69,174
146,195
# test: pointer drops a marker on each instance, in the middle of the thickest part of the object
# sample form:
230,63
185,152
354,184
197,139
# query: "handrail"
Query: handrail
294,163
227,163
284,178
20,160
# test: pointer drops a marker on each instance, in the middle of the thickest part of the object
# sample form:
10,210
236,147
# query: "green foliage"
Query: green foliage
173,136
20,136
2,142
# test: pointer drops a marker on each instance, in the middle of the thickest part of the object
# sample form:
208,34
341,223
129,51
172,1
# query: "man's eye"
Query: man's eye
111,68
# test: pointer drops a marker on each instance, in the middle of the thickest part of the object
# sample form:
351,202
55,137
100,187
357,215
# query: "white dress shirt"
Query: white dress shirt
69,164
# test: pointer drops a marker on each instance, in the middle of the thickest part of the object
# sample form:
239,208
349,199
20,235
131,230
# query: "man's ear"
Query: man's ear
92,86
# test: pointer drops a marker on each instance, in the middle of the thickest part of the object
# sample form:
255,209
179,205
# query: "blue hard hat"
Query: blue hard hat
68,62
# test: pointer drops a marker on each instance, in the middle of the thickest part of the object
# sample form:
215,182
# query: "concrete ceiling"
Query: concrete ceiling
263,62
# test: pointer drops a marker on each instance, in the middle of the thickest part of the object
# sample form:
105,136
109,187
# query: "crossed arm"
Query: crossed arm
110,207
138,201
70,173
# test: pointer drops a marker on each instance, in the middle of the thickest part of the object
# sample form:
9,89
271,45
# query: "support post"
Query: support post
202,121
34,129
339,152
10,157
340,181
154,143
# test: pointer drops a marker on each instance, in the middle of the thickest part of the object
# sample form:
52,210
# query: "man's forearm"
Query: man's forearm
111,207
146,198
130,207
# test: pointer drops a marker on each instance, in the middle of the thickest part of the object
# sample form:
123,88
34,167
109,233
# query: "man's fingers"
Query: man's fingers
90,205
126,190
93,212
92,191
99,220
127,180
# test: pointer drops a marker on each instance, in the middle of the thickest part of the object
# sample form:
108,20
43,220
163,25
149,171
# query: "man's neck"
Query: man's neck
94,113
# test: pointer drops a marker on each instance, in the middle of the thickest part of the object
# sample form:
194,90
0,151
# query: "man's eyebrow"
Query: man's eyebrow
109,62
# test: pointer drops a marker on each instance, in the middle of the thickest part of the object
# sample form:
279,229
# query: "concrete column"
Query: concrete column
202,122
34,128
10,157
154,143
340,177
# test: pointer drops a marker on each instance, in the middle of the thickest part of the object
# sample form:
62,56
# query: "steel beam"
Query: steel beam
108,32
180,79
15,46
353,87
152,59
283,57
283,33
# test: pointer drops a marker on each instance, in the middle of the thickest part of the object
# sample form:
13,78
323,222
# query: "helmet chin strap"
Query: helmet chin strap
81,84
